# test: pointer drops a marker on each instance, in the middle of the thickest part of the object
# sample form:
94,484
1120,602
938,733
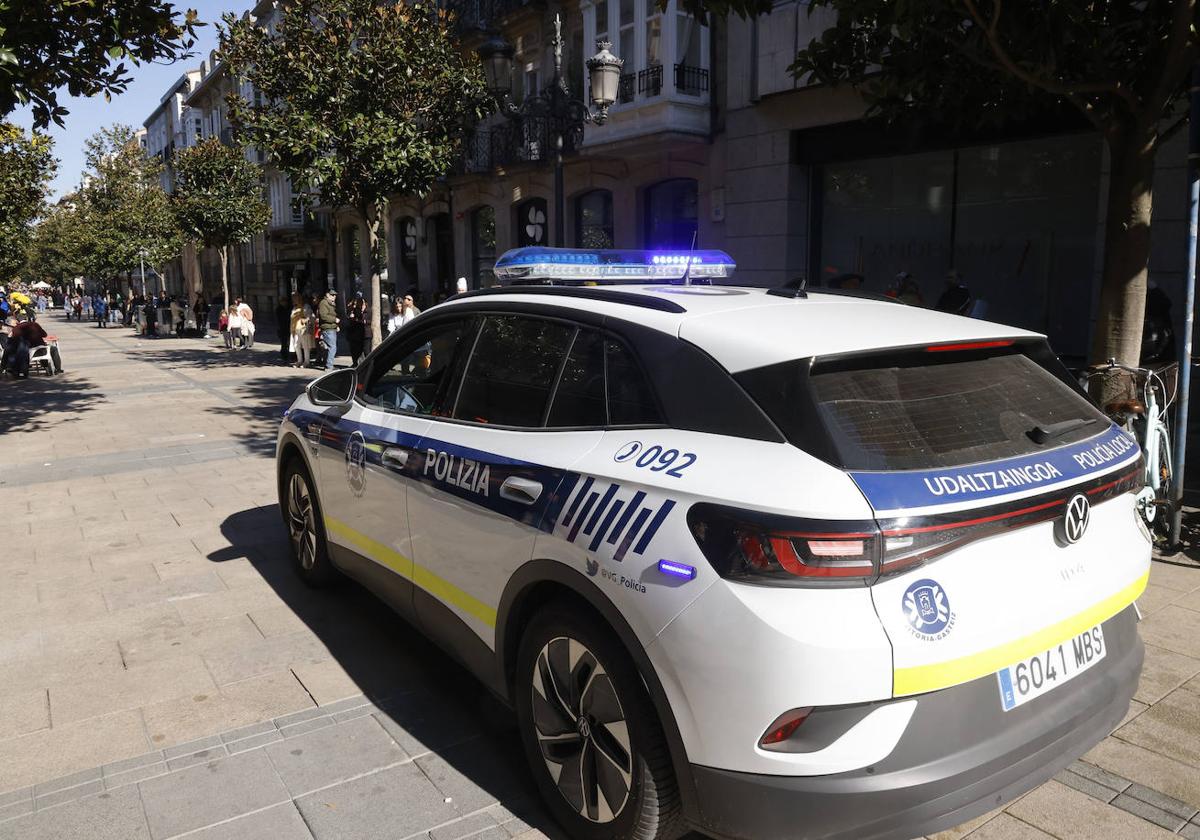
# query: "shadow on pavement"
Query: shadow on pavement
42,402
260,403
426,698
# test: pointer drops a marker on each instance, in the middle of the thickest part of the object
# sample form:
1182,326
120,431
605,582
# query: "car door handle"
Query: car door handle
395,456
523,490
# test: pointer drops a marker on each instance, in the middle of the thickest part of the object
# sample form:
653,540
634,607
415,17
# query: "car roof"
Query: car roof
747,327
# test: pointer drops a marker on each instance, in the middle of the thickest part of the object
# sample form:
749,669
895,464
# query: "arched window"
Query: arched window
531,222
594,220
483,247
671,218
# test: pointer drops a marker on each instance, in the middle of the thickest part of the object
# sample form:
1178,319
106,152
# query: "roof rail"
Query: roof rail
606,294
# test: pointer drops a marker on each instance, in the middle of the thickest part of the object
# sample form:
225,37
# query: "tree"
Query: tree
50,45
218,199
359,100
26,166
128,214
1123,67
59,241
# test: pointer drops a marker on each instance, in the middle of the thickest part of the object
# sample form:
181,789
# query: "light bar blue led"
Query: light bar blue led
578,265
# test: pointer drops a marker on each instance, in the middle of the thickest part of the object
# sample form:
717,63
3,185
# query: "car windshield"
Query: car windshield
924,410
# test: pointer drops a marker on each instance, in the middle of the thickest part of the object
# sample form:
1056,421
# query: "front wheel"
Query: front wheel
590,733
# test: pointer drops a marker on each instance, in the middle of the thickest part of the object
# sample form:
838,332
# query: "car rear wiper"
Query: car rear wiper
1041,434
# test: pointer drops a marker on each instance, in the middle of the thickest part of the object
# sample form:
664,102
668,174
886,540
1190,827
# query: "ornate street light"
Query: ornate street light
555,104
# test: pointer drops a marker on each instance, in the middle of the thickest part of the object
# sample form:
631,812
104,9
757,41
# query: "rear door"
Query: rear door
970,455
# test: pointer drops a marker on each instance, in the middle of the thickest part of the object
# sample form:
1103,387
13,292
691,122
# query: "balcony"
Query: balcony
474,16
649,81
691,81
529,140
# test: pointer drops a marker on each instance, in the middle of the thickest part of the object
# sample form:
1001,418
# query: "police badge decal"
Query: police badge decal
356,462
927,608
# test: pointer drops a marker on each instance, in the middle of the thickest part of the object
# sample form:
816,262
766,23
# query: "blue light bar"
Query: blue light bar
679,570
580,265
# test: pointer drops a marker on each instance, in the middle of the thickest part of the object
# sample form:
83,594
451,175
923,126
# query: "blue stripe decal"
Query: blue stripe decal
619,528
612,491
587,506
587,485
612,514
1007,698
653,527
633,532
923,488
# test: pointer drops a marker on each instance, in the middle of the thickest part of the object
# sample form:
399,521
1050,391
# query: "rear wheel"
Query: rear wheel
306,527
590,733
1164,500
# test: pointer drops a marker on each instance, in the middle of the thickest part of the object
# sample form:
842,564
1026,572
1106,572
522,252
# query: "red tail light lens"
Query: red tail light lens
755,547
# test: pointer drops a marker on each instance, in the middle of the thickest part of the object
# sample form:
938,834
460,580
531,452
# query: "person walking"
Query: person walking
87,306
100,311
202,310
357,318
76,307
396,319
176,314
247,315
328,321
300,328
235,325
283,328
150,314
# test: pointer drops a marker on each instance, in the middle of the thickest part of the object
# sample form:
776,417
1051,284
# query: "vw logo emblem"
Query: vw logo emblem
1075,519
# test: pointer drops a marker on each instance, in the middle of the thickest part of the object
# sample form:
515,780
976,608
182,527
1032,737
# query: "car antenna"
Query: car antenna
687,269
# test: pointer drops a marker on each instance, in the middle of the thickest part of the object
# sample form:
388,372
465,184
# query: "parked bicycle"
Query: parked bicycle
1143,413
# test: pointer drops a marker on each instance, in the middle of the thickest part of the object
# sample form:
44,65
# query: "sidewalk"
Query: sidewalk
163,674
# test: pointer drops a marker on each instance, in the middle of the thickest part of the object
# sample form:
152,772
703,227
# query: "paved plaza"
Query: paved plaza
164,674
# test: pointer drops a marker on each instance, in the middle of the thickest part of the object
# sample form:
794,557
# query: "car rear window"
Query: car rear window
924,410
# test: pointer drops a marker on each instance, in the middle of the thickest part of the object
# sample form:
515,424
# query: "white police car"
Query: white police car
759,562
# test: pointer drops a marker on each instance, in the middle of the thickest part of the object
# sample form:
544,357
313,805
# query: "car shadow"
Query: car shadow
426,700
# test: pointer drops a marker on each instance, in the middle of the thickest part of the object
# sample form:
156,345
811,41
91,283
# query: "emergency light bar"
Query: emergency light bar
611,266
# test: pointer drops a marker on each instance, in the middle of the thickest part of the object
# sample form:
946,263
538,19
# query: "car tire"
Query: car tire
571,668
306,526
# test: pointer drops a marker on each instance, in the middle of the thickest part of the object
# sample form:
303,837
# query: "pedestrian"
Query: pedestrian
396,319
150,314
223,326
87,306
202,310
357,317
283,328
328,322
100,311
460,286
248,328
114,309
956,298
23,337
176,313
301,331
235,326
76,307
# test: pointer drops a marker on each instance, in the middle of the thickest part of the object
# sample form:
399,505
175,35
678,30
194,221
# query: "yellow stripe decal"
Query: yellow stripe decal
922,678
441,589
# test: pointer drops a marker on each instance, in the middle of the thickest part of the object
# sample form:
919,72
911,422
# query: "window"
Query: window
531,222
415,375
594,220
483,247
602,385
626,44
512,370
671,220
653,35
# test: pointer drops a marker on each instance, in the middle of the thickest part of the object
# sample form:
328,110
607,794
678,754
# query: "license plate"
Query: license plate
1038,674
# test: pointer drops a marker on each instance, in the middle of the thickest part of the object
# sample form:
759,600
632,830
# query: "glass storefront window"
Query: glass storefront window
594,220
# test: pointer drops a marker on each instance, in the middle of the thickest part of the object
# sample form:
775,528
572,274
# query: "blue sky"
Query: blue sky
89,115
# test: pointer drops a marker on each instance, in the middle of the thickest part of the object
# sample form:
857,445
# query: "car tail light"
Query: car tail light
783,728
756,547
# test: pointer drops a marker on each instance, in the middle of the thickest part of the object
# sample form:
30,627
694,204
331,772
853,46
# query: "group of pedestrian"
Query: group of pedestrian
237,325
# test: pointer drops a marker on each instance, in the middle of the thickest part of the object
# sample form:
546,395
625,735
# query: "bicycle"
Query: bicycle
1144,415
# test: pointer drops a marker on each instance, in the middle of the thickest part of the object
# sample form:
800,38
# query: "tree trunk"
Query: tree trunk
223,253
371,217
1118,333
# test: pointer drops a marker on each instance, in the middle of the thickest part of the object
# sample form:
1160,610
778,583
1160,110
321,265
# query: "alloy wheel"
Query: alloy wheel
582,730
302,524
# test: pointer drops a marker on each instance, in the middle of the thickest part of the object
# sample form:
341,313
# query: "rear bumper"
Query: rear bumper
960,757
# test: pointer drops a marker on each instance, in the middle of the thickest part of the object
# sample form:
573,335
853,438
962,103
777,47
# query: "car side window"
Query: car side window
414,376
512,370
579,398
630,400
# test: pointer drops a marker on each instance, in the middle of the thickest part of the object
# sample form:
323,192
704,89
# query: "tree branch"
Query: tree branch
1180,54
1072,93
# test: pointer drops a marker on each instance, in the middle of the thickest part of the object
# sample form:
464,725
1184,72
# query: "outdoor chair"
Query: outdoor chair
40,356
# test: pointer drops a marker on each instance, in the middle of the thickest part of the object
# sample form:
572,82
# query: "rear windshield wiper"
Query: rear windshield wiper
1041,434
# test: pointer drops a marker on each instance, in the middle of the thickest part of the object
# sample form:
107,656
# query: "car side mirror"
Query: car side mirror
334,388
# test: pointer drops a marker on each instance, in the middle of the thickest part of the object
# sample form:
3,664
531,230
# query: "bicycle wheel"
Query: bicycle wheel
1164,499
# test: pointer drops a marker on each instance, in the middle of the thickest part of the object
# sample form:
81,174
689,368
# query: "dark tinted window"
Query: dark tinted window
414,375
630,400
922,412
579,400
511,372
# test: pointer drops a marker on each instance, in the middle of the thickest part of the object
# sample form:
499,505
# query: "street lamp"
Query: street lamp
566,114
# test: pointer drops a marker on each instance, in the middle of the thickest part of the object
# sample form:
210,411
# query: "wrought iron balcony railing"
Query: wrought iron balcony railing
625,87
528,140
479,15
691,80
650,80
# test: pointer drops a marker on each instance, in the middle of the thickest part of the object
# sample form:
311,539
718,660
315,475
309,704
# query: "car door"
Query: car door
489,477
367,486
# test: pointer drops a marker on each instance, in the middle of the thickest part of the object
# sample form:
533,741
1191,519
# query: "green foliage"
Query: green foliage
84,47
218,195
60,242
359,99
124,212
26,166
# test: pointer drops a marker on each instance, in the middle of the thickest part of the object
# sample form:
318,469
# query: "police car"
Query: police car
761,562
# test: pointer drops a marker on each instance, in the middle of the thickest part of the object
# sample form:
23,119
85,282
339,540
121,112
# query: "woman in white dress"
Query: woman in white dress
302,341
